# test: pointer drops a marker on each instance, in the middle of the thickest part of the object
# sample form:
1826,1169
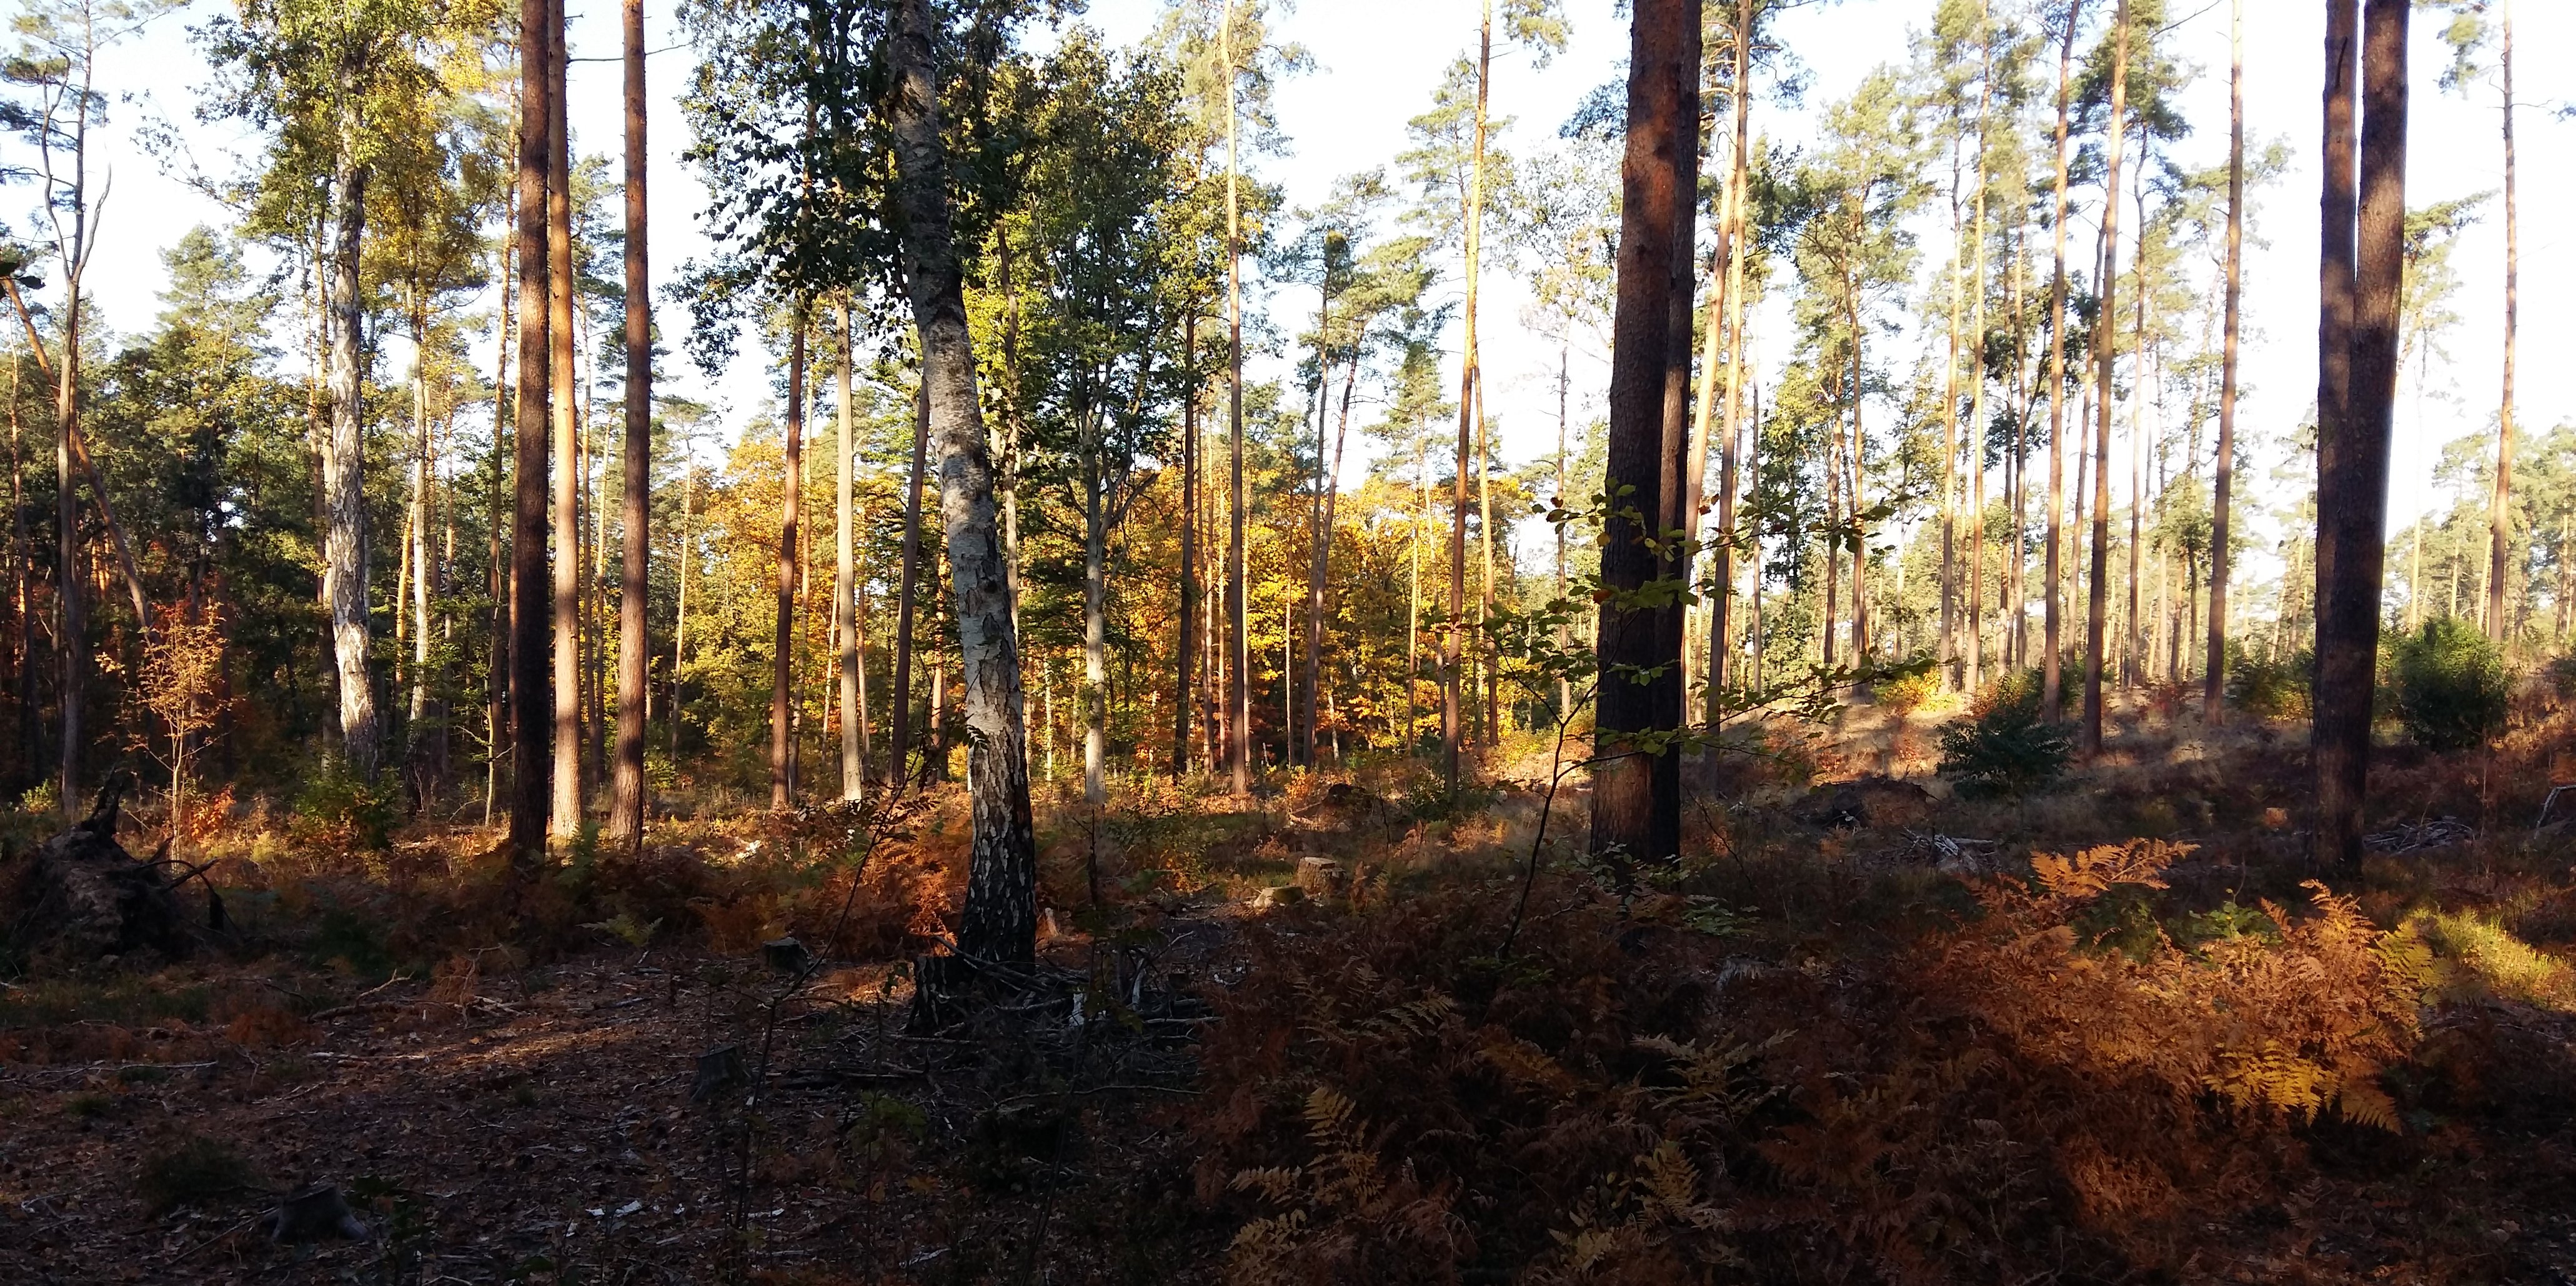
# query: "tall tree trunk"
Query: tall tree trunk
1946,649
569,777
2133,651
531,701
1976,658
900,717
1095,634
634,666
1238,701
1322,573
344,563
2500,517
416,551
72,631
845,583
2338,207
2105,351
1183,715
2348,596
496,683
1636,811
2052,678
782,708
1730,289
1302,723
2213,693
1000,920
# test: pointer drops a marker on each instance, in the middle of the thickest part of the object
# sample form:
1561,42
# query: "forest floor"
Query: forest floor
1871,1032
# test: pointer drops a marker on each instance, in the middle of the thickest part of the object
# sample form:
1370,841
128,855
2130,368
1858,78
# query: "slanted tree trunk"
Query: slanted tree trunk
2349,593
531,702
2213,694
2052,679
1636,810
2105,351
634,668
568,802
1000,920
344,558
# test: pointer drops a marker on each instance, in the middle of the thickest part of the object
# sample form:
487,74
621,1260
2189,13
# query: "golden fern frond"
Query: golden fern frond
2095,871
2364,1103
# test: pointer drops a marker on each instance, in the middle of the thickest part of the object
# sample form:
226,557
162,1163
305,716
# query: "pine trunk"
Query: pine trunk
634,666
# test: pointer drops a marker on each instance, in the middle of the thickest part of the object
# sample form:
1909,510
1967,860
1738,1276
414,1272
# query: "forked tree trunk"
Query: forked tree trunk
999,924
2348,595
1636,813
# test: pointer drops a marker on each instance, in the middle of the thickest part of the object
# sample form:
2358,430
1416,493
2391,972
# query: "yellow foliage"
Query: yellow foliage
2468,956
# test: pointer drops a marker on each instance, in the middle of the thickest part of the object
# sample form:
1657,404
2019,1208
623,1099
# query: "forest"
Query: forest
1001,704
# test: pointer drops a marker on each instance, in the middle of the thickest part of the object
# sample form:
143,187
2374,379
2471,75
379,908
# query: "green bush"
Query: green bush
2005,746
344,809
1905,693
2275,688
2449,685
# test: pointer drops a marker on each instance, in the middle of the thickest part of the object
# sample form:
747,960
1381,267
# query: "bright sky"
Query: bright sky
1376,66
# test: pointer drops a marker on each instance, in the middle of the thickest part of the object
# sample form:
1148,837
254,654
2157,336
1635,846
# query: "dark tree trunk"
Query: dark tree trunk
531,701
2348,593
2105,356
1635,810
2213,697
1000,920
1187,653
782,733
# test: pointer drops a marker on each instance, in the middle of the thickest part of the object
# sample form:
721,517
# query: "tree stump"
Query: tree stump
81,896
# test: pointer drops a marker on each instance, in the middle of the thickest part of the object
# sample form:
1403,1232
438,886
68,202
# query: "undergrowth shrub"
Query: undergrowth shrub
2269,687
2449,685
1907,692
342,810
1633,1099
2005,746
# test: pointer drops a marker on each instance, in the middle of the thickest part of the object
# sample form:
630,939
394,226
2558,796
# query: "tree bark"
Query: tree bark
531,701
2052,678
2500,519
900,718
2105,351
344,560
1182,713
2213,695
1000,920
634,667
1238,702
568,803
2348,616
845,584
1635,812
782,709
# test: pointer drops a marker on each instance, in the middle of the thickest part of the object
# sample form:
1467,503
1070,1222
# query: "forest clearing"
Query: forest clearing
1713,641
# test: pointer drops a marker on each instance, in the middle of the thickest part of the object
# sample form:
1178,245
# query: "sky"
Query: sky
1376,64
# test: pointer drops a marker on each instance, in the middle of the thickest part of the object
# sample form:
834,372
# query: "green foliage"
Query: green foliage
2450,686
2269,688
1906,693
2005,746
192,1171
342,808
